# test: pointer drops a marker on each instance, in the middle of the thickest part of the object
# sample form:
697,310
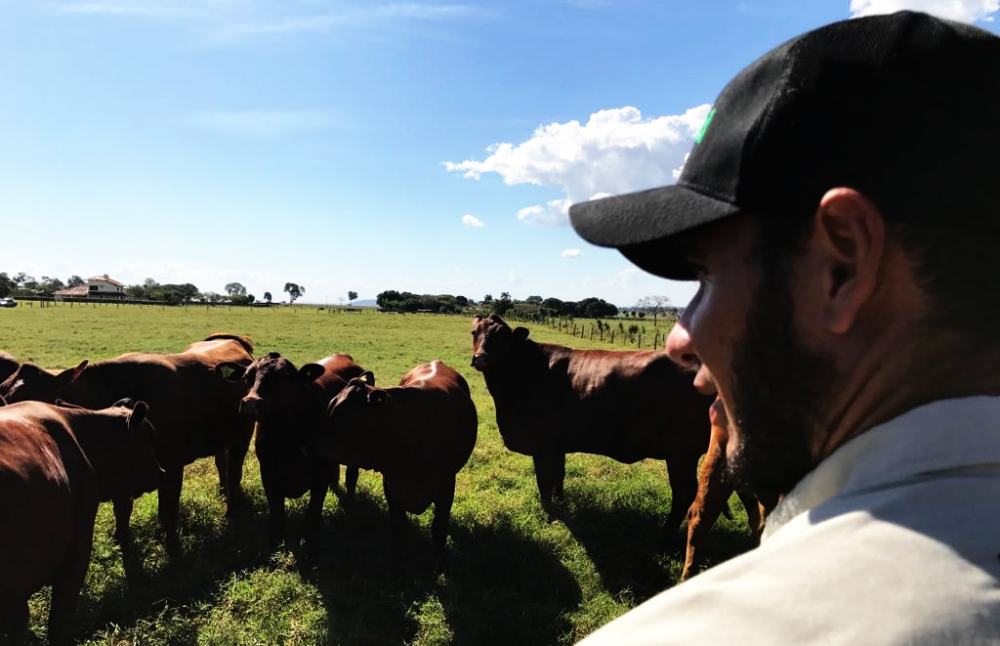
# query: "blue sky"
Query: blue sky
350,145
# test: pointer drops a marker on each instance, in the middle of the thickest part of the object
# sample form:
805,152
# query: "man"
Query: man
840,211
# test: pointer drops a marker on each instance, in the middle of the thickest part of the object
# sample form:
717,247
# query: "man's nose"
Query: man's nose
680,349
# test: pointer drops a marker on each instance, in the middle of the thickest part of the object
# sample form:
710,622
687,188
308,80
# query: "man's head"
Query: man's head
838,230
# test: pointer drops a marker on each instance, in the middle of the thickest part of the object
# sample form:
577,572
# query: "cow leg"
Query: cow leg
13,618
237,453
682,475
123,517
67,585
713,494
168,506
397,524
323,479
442,516
550,472
276,515
351,481
221,460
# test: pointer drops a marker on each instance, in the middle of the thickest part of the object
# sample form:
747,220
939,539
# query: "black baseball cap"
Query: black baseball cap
904,108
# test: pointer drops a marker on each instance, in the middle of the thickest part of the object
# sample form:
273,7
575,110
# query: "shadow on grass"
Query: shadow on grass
499,586
629,549
154,581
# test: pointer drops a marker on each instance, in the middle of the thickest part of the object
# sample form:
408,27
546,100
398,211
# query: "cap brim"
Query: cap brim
641,224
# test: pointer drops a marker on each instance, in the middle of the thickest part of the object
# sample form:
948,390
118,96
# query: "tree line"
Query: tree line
22,285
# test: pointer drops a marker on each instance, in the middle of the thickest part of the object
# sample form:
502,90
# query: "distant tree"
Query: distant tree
655,305
267,296
50,285
294,291
488,298
74,281
20,278
7,285
236,289
534,300
503,305
352,296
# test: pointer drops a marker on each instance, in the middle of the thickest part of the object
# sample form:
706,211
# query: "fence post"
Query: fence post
639,343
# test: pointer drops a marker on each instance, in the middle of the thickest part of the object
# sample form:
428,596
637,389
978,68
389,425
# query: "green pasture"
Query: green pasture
514,577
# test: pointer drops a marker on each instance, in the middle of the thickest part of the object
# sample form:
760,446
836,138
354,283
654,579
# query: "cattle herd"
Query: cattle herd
116,429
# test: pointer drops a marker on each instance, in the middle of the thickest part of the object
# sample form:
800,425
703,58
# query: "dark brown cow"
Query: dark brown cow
8,365
289,406
714,490
56,464
195,411
552,400
418,435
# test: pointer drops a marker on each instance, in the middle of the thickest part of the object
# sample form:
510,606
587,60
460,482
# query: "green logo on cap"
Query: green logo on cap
704,127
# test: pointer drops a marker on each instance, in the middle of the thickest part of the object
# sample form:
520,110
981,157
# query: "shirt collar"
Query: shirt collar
941,435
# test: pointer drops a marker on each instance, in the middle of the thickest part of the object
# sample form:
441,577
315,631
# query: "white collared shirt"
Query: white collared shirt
893,539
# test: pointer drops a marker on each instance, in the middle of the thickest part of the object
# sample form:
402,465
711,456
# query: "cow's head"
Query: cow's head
353,412
278,398
493,341
274,384
32,383
141,471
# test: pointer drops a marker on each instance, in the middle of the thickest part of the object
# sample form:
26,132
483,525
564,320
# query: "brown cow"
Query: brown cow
714,490
289,406
418,435
195,411
553,400
56,464
8,365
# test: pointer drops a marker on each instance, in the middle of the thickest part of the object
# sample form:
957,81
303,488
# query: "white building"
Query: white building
103,287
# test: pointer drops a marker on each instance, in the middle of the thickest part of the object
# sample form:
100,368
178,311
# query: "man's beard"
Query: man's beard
780,393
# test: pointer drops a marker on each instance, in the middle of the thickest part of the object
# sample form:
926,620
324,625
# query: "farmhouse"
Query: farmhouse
103,287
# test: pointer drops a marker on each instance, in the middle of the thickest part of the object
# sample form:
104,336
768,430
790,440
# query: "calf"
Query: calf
195,411
714,490
418,435
552,400
8,365
289,405
56,464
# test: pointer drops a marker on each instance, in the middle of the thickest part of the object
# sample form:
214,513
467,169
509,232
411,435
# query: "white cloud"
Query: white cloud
264,123
961,10
470,220
615,151
571,253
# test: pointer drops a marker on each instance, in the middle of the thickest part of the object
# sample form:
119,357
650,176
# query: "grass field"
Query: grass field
515,577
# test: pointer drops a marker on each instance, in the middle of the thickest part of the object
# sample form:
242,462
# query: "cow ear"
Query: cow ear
479,317
311,371
521,333
377,396
70,375
138,415
496,318
367,377
230,371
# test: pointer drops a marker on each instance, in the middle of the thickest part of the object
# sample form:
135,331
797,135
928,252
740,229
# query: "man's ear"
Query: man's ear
377,396
311,371
520,333
230,371
849,234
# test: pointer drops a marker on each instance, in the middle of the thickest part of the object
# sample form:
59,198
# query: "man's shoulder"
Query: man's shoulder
916,562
